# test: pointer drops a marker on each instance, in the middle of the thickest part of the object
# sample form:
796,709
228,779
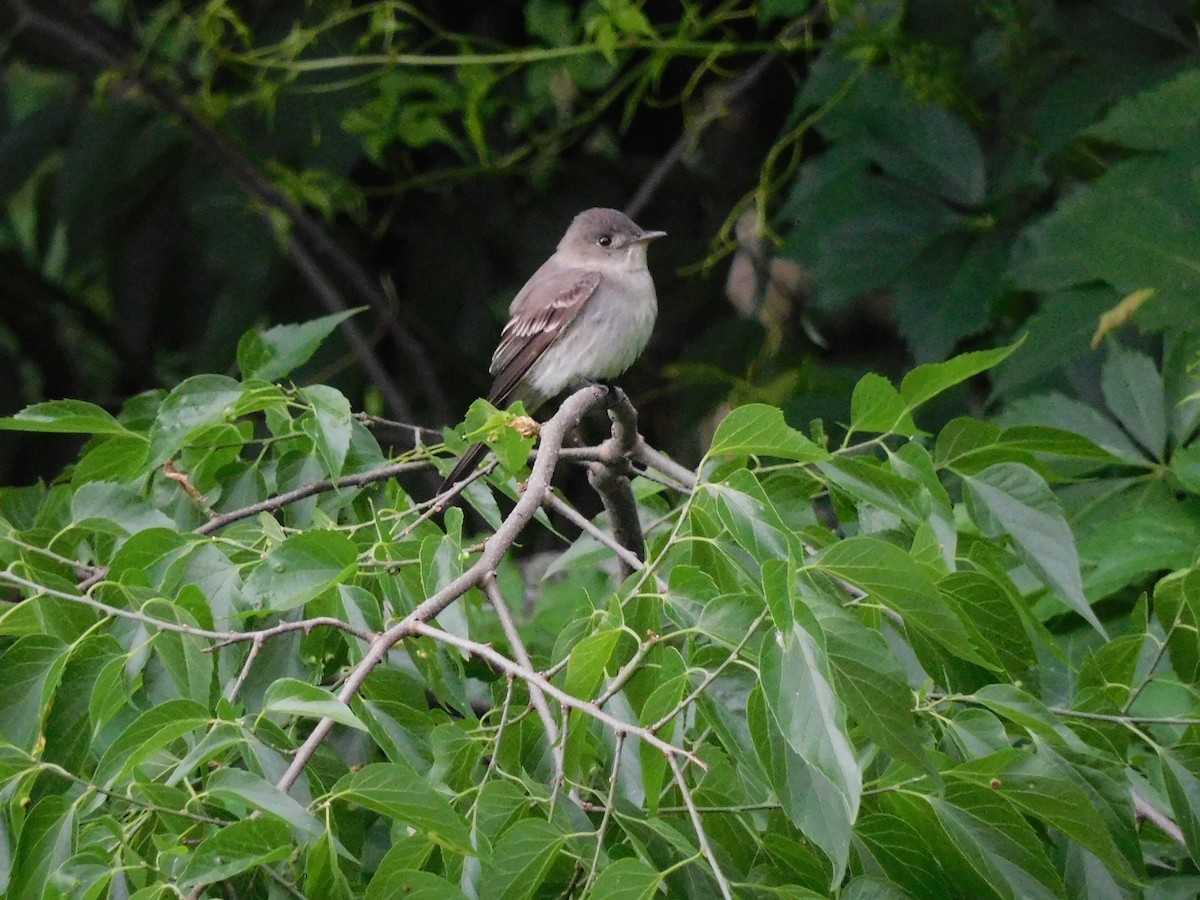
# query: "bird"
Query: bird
584,316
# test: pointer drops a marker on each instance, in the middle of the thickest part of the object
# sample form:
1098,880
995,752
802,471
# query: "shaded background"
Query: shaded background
848,186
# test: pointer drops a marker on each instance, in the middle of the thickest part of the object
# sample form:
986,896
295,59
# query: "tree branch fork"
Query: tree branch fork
608,463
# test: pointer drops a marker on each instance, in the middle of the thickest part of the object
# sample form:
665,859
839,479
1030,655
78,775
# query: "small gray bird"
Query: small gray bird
584,316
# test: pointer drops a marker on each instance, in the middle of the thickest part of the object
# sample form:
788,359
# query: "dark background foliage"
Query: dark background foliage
924,172
924,601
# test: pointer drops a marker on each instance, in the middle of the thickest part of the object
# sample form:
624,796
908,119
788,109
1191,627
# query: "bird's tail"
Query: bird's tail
465,466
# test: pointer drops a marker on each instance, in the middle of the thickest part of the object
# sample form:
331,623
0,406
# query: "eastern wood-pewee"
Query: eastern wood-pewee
584,316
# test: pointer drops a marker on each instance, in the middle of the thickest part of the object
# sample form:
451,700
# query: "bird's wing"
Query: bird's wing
535,324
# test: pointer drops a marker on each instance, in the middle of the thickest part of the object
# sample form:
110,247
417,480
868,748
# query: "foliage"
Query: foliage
174,172
960,664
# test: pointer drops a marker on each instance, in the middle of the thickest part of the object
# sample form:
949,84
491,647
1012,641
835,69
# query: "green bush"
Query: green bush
239,649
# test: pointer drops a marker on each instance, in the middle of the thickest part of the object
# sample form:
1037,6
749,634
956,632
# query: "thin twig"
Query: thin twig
701,835
251,655
1150,813
585,524
653,459
553,433
609,805
711,676
225,637
271,504
628,670
529,675
536,697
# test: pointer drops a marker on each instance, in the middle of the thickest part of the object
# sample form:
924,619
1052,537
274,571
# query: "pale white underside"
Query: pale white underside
603,341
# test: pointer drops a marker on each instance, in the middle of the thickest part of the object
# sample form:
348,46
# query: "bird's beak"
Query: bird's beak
647,236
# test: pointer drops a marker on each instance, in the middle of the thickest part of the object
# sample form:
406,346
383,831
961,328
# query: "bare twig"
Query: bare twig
553,433
628,670
536,697
251,655
225,637
567,511
271,504
653,459
1150,813
609,806
711,676
701,834
585,706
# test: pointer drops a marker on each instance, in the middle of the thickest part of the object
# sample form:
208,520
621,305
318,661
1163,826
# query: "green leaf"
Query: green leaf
587,662
1055,410
47,835
237,786
891,578
804,709
195,403
236,847
411,884
1177,608
300,569
996,618
627,879
115,507
1133,390
1133,228
398,792
779,590
146,735
998,843
760,430
1023,709
872,685
329,426
1161,118
1180,768
271,354
1009,498
292,697
184,656
748,520
925,382
1040,789
870,481
67,417
876,406
117,458
521,859
29,674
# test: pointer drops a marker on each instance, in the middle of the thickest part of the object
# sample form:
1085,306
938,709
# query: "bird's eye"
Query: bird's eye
605,240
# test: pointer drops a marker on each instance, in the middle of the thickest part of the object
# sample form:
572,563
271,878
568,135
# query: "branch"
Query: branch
570,513
553,433
536,697
272,504
1150,813
226,637
610,480
533,678
716,107
701,835
653,459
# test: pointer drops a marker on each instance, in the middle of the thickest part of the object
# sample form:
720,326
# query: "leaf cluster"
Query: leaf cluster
960,664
